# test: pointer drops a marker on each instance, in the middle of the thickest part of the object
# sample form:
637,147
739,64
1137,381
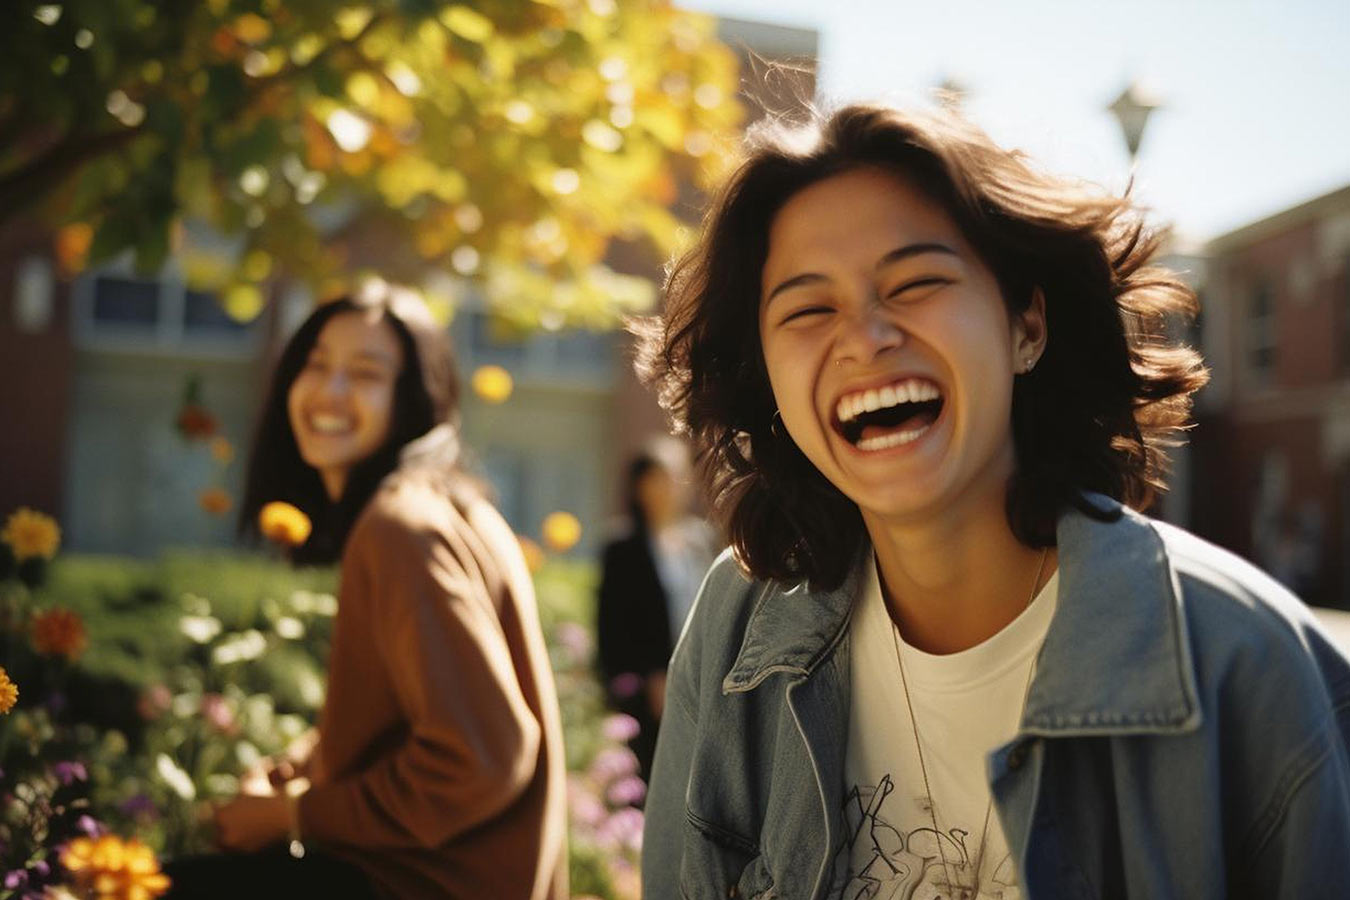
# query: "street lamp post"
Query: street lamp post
1132,109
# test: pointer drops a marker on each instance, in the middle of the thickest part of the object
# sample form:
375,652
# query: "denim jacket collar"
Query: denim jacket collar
1116,658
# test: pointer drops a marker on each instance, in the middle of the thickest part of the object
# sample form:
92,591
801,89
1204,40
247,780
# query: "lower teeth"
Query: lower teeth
894,439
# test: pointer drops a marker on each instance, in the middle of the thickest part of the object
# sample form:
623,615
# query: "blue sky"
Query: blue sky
1257,94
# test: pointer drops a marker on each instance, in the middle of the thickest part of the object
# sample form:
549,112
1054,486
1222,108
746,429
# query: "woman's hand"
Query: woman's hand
246,823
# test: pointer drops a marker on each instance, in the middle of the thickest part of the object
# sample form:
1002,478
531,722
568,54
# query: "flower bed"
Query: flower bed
146,689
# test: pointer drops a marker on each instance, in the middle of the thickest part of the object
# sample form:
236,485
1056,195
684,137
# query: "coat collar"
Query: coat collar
1116,658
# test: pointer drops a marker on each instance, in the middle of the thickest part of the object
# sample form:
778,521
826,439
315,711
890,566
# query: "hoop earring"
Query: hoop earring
776,427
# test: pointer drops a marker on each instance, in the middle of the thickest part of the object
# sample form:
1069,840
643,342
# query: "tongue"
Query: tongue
919,420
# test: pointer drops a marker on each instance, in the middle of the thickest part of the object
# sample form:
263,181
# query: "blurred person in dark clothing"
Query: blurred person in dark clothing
650,575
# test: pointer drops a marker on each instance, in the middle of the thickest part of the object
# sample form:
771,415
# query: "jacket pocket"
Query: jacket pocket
719,864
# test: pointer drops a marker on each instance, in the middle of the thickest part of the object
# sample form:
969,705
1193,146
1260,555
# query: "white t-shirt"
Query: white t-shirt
967,704
682,552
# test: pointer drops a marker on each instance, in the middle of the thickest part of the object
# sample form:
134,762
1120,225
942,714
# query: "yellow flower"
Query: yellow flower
283,523
30,534
9,692
493,384
222,451
562,530
59,632
112,869
215,501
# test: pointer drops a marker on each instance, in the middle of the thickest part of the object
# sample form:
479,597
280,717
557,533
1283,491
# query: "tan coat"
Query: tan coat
440,742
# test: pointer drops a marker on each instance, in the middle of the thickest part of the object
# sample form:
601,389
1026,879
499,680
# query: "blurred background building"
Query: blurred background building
95,371
1270,465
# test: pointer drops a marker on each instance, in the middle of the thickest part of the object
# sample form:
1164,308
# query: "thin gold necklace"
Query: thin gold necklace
947,869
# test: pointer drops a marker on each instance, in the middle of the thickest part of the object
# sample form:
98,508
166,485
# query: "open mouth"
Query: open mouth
889,416
329,425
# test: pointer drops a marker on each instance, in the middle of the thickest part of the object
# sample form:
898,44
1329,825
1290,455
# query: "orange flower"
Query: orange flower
195,422
215,501
222,451
562,530
284,524
31,534
109,868
72,246
9,692
59,632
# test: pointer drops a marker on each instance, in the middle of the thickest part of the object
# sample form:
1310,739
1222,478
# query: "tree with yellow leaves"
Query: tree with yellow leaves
505,141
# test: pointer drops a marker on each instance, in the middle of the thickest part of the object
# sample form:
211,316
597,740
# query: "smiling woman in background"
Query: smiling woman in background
438,766
947,656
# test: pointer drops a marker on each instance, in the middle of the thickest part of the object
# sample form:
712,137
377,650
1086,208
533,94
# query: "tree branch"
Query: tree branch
23,187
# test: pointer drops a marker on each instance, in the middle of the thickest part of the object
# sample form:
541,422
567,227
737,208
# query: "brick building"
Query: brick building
1270,473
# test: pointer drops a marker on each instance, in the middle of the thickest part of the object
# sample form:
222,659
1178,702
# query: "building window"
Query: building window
116,310
125,304
203,315
575,356
1261,337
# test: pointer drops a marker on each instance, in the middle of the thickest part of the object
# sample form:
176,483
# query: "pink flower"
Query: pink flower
627,791
624,828
216,710
620,728
154,702
613,763
576,640
586,808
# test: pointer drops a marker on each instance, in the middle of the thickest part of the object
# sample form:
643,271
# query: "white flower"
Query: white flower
311,689
240,647
290,628
291,726
247,754
194,605
174,776
201,629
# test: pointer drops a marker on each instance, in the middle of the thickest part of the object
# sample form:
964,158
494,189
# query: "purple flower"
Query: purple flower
137,806
625,685
627,791
89,826
613,763
70,772
15,879
620,728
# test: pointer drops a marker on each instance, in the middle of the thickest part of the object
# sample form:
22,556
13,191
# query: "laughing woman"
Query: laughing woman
946,655
438,770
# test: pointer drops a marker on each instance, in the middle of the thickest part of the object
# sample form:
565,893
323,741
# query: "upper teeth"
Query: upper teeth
911,390
325,422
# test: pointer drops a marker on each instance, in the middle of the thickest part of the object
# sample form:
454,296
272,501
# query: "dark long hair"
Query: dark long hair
1096,414
426,394
642,464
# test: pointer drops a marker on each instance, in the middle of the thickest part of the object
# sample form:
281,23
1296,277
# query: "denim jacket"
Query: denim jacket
1186,734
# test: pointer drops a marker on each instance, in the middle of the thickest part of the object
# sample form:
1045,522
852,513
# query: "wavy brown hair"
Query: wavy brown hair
1096,414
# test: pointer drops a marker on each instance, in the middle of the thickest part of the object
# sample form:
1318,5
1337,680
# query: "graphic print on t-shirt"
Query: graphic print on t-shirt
967,705
882,862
